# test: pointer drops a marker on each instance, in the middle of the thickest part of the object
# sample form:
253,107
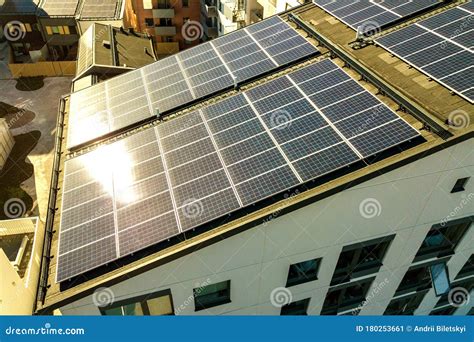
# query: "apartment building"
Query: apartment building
166,20
219,17
284,169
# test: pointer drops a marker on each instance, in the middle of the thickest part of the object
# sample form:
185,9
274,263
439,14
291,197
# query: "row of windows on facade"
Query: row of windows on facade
345,294
50,30
163,4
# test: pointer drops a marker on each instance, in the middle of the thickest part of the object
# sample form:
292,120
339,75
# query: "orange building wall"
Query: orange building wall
136,14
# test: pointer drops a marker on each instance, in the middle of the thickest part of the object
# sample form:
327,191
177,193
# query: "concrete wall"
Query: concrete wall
45,68
411,199
6,142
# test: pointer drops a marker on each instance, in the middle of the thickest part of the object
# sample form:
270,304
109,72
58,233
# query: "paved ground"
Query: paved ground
4,58
35,122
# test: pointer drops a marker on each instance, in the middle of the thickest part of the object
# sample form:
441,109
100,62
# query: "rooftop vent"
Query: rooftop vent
106,44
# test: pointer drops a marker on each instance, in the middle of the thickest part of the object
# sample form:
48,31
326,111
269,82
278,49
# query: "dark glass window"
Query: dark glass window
298,308
468,268
166,22
460,185
440,278
185,3
461,290
212,295
444,311
303,272
405,305
360,259
346,297
155,304
417,278
442,240
149,22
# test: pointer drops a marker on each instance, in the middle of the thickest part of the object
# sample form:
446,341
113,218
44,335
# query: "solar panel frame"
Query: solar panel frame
188,76
210,162
435,52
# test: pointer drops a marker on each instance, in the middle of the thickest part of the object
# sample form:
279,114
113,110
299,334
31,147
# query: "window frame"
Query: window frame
304,302
356,269
142,300
430,252
460,184
198,305
417,297
303,279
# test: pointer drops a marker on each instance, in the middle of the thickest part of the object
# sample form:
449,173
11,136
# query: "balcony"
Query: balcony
165,30
163,13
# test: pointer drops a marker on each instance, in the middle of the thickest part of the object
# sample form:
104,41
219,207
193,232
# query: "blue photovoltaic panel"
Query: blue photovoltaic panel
369,16
185,77
441,47
198,167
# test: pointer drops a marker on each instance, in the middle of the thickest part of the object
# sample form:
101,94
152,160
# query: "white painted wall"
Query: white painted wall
412,199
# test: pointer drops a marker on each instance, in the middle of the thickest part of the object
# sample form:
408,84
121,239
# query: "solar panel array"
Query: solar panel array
187,76
99,8
441,47
85,57
190,170
371,15
59,7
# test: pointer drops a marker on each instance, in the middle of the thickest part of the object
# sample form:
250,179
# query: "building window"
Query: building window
448,311
460,185
468,269
298,308
149,22
51,30
442,239
466,286
221,28
163,4
167,39
165,22
303,272
155,304
211,295
147,4
185,3
28,27
417,278
346,297
440,278
405,305
360,259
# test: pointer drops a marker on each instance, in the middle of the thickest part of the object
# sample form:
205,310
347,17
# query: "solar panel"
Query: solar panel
190,75
371,15
99,8
59,8
441,47
198,167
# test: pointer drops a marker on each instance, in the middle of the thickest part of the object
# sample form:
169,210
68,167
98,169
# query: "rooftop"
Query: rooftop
18,6
432,106
82,9
104,49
